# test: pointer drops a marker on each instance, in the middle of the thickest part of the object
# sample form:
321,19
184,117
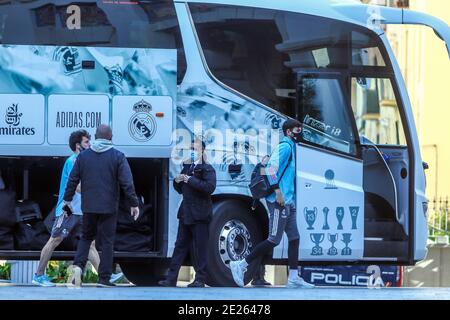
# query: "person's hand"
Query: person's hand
186,178
135,212
179,178
279,197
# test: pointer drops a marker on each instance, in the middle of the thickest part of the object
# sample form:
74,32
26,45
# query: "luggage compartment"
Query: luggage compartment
36,181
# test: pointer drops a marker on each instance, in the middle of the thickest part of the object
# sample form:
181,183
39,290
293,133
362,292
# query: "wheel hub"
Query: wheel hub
234,241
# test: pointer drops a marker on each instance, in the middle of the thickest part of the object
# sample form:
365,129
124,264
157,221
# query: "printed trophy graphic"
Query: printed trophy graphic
325,217
310,217
340,217
354,214
329,177
346,239
317,238
332,251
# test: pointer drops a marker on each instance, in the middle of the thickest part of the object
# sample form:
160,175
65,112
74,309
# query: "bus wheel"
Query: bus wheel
144,273
233,232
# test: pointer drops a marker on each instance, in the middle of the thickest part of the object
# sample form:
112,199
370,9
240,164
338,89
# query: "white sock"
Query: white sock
243,264
293,274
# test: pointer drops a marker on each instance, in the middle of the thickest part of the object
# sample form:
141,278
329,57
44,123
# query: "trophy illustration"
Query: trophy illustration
340,217
354,214
329,177
346,239
317,238
325,215
310,217
332,251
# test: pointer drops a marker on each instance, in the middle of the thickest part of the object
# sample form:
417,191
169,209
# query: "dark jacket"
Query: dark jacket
102,175
196,206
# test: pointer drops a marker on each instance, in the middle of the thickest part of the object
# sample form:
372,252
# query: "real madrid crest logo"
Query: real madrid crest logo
142,125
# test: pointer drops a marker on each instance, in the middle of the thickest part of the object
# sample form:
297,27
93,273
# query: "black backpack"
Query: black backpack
259,184
30,235
30,231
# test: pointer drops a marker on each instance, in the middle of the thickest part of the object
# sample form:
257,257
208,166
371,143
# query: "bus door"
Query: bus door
386,177
329,179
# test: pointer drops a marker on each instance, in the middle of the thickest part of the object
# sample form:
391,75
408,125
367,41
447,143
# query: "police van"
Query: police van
160,72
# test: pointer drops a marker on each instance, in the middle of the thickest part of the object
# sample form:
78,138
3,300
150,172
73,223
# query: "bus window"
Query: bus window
152,24
325,115
365,51
231,38
259,52
377,112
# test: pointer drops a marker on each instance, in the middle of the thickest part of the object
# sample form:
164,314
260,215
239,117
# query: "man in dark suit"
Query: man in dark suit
196,183
103,171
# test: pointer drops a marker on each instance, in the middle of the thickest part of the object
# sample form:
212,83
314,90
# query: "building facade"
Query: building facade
424,62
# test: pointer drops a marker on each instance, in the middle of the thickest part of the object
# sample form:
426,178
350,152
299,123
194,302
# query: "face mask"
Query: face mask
81,147
296,136
194,155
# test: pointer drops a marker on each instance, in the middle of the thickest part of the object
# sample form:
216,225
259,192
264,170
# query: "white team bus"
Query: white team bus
161,72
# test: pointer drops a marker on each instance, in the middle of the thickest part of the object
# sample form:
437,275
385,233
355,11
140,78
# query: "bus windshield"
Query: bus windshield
261,53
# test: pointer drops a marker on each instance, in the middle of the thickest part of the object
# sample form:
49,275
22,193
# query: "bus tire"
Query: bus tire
233,232
145,273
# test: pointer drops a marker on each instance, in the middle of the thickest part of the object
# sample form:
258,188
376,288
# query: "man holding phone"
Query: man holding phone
196,182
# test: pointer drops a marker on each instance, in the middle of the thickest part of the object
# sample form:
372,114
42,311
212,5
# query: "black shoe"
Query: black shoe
260,283
167,283
105,284
196,284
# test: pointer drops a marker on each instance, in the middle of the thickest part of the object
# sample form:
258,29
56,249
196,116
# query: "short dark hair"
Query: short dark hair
77,137
291,124
103,132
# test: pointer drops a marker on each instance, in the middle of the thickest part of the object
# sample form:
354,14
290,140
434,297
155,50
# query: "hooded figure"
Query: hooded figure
103,171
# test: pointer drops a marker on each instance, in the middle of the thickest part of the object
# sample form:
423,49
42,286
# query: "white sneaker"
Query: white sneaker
116,277
238,272
299,283
74,279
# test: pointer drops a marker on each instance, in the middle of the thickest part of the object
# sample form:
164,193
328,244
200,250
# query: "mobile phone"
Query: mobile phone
67,209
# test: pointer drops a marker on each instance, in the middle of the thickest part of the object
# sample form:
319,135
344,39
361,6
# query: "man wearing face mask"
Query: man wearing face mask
196,182
280,172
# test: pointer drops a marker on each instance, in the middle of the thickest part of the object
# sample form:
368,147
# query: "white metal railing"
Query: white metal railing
438,217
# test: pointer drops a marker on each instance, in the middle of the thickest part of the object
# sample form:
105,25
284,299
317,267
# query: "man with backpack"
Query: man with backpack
280,198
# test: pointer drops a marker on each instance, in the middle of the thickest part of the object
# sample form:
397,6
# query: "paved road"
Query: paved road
8,291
